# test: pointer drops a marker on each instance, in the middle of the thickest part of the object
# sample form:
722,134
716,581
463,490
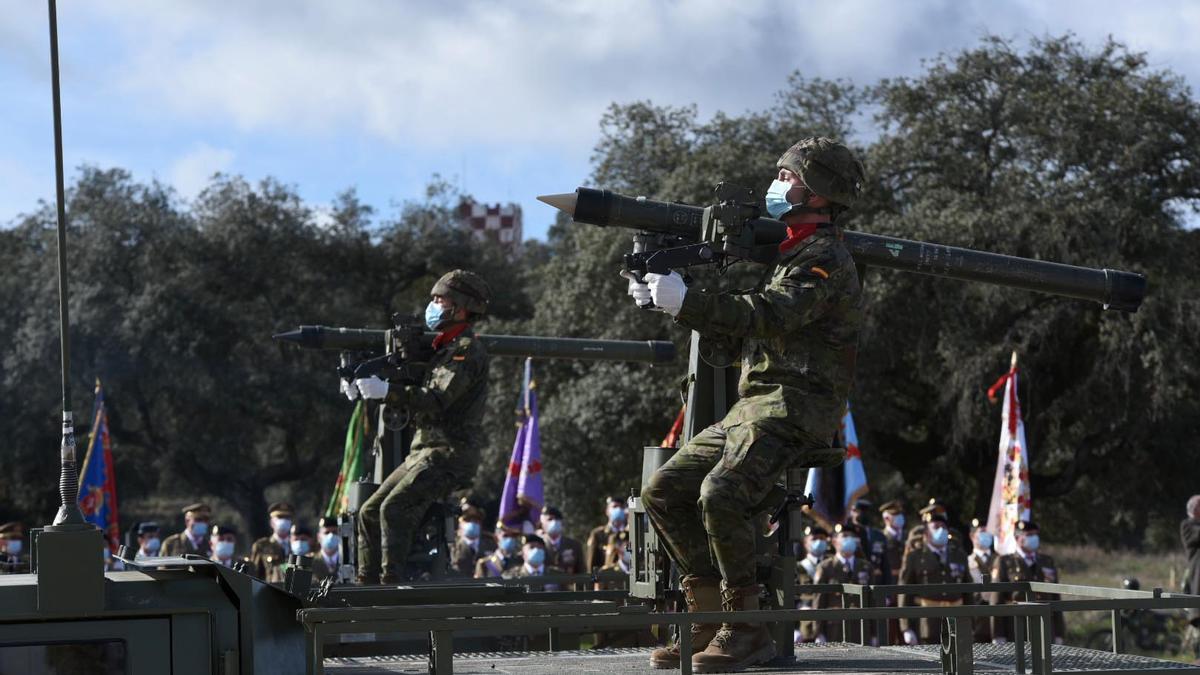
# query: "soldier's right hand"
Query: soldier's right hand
638,290
349,389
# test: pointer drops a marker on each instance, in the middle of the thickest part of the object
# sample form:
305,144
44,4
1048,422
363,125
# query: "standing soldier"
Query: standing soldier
194,538
1027,564
470,546
893,530
447,409
617,517
223,543
874,544
328,561
268,553
846,566
534,555
936,561
816,546
562,551
12,560
980,567
506,556
148,542
798,335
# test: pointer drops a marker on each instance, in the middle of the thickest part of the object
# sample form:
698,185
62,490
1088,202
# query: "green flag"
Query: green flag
358,433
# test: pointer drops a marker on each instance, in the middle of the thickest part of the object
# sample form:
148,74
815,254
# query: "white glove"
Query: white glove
349,388
639,291
667,291
371,387
910,637
999,640
821,639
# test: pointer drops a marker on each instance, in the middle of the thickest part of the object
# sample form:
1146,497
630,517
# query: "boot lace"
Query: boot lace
723,636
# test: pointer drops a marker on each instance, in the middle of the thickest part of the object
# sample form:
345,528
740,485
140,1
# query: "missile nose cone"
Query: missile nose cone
289,336
562,202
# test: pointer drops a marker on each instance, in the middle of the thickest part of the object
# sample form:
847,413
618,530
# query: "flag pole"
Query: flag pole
68,481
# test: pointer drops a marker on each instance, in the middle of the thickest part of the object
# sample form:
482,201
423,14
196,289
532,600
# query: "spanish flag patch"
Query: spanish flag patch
820,272
459,357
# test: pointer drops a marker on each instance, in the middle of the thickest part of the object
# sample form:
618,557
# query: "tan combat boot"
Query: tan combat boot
737,646
703,594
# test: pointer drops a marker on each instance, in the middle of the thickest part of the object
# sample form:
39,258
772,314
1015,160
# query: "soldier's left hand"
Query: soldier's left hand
667,291
349,388
371,387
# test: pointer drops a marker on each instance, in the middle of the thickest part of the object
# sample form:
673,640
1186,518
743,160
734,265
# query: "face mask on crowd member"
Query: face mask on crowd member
301,540
817,546
535,554
281,526
508,545
552,522
199,526
13,547
223,542
329,538
847,543
938,534
470,529
616,513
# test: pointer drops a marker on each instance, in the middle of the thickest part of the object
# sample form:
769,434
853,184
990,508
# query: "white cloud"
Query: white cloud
191,173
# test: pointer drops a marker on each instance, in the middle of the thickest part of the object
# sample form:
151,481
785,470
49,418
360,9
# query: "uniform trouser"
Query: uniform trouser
700,501
390,517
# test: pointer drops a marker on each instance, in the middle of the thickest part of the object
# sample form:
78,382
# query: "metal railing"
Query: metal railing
1032,619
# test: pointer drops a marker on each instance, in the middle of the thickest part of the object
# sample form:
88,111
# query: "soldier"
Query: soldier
617,559
893,530
562,551
1027,564
328,561
846,566
936,561
873,542
268,553
194,538
979,564
148,542
617,517
798,334
506,556
816,547
534,555
223,542
12,558
470,546
447,411
916,536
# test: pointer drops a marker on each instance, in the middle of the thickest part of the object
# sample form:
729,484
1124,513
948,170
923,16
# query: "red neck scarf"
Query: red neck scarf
798,233
447,336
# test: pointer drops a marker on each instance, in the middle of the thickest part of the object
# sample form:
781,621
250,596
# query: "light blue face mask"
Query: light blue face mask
616,514
536,556
508,545
1032,541
330,541
554,527
299,547
939,536
777,203
435,314
849,545
986,540
224,549
14,547
471,530
199,528
818,548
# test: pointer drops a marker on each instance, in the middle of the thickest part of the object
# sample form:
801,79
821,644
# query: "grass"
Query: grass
1094,566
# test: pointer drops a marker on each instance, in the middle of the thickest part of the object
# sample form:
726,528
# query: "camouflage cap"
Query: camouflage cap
827,167
466,289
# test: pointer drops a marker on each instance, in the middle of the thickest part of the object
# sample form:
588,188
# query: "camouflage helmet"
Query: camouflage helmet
827,168
466,289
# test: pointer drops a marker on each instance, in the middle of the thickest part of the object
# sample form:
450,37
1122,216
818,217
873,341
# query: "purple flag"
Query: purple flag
522,499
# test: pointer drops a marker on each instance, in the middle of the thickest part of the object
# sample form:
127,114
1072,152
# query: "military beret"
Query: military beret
863,504
301,530
553,512
147,527
935,504
893,506
12,530
327,521
534,539
813,530
281,510
219,530
848,529
1027,526
197,509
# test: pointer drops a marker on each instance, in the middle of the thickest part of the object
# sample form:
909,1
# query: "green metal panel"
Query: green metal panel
147,641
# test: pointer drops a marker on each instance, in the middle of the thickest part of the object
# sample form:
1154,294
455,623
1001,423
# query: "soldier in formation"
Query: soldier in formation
12,549
846,566
148,540
979,565
470,545
798,334
937,560
816,548
893,531
616,517
447,409
533,553
194,538
507,556
562,551
268,553
874,543
223,544
1027,564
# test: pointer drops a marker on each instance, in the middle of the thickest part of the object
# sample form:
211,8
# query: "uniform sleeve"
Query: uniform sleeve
797,297
1189,532
908,575
448,381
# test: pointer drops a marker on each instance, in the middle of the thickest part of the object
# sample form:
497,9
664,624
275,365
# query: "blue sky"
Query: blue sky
501,98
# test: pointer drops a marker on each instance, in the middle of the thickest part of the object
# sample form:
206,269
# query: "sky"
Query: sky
501,99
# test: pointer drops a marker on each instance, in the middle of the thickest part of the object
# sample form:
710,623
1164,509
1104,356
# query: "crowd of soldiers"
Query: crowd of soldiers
933,551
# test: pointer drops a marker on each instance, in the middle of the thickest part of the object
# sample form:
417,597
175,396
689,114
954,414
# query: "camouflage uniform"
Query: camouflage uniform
799,337
448,414
923,565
